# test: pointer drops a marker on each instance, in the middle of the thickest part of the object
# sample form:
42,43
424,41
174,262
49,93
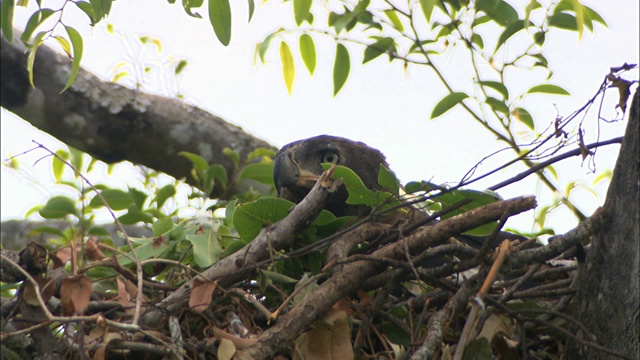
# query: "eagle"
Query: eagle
297,167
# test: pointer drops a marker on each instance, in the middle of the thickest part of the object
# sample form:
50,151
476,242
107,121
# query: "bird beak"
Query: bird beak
287,174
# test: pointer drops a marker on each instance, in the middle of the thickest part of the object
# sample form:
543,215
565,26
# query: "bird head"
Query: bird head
298,166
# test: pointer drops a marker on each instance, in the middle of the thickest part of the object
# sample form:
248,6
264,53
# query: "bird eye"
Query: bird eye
330,157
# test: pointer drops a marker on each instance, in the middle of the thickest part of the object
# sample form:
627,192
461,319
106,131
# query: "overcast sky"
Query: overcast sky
379,105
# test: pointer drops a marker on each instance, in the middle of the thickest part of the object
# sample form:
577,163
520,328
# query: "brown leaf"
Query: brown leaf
63,255
201,295
158,241
92,250
623,92
123,295
75,293
47,289
238,342
100,354
226,349
330,338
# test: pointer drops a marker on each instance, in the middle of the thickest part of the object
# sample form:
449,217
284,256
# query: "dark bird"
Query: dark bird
297,167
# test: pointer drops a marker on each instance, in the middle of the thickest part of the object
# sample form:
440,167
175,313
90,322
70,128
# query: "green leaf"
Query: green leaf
180,66
478,198
250,218
498,105
98,13
150,248
261,153
6,18
165,193
264,45
447,103
134,216
395,20
381,46
539,38
509,32
199,163
578,10
359,194
553,172
88,10
564,21
524,117
301,10
32,55
533,4
228,212
427,8
98,231
233,155
341,68
477,39
498,10
288,67
189,5
219,173
206,247
594,16
348,19
308,52
58,207
478,349
115,198
139,197
220,18
76,158
76,41
498,86
261,172
387,179
48,230
36,19
548,89
162,226
57,165
64,44
278,278
252,8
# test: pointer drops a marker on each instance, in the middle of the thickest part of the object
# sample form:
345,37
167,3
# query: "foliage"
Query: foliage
414,35
420,33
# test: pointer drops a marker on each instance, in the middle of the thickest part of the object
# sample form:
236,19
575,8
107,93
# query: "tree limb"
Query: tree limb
114,123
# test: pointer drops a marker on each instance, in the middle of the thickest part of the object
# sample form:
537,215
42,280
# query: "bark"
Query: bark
114,123
608,297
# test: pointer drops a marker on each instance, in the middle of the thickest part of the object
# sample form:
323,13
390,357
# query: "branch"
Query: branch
351,276
114,123
277,236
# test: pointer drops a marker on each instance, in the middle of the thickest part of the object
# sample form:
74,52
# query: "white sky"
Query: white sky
379,105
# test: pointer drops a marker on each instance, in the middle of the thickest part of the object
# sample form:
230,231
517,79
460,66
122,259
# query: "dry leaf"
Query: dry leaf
92,250
201,295
75,294
226,349
238,342
47,290
330,338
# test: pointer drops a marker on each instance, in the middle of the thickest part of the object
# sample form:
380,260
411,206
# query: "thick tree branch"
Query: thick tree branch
112,122
351,276
608,298
239,265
